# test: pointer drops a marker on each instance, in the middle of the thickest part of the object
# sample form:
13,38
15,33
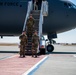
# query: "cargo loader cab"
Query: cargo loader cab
42,45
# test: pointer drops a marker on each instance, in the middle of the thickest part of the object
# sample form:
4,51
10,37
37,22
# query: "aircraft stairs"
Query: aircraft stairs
36,15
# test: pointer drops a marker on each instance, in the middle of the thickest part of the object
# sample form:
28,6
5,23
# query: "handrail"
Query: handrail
30,7
41,21
45,8
44,12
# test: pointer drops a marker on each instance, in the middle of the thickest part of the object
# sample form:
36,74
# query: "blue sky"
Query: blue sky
65,37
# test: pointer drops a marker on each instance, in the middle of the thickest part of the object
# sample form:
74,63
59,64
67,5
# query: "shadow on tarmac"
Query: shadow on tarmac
9,51
41,54
61,53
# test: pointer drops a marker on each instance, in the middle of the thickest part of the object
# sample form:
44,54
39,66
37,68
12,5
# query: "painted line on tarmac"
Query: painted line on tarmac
35,67
7,57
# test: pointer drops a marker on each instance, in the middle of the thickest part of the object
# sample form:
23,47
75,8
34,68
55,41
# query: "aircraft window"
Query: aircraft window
74,6
69,5
66,4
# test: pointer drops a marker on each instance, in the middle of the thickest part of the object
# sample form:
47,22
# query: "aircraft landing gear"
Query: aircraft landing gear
50,48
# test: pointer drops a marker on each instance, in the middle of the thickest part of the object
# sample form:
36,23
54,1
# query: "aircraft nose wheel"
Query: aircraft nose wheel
50,48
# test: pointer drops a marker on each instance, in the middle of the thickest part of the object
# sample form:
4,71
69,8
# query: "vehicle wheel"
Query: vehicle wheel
50,48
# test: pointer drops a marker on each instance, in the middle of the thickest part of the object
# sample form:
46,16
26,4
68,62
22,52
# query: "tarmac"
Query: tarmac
60,62
12,64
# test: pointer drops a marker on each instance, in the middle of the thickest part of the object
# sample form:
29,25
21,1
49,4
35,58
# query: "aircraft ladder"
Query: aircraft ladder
38,16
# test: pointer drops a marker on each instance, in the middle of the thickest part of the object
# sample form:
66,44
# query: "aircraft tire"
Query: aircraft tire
50,48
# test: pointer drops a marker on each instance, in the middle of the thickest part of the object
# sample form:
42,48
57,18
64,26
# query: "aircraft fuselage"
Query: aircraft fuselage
61,16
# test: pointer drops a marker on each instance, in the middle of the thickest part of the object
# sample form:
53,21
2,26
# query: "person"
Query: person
30,25
35,43
35,4
23,43
39,4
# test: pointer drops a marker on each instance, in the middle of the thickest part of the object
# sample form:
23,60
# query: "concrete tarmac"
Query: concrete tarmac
8,51
12,64
61,62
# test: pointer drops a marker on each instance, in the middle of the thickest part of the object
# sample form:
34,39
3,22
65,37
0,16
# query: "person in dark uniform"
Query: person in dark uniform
35,4
30,25
39,4
23,43
35,43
